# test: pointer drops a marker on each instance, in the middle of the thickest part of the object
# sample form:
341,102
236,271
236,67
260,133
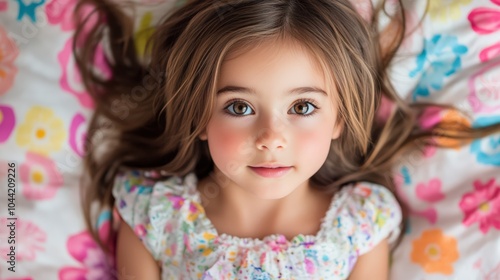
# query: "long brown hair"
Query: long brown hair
152,109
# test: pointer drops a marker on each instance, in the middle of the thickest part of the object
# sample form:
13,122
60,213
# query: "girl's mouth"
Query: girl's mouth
271,172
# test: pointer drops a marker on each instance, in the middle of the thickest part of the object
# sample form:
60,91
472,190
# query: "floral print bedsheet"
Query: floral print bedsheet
452,57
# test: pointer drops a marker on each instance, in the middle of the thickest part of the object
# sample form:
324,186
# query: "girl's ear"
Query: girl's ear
203,136
337,130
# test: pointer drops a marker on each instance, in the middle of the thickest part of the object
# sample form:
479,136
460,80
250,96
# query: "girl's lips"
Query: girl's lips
271,172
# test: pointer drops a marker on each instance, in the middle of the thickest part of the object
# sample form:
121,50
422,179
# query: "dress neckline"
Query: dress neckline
190,183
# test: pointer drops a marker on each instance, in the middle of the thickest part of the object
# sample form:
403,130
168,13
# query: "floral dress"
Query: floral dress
170,221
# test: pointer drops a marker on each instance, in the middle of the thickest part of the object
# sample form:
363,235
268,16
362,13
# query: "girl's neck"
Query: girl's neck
235,212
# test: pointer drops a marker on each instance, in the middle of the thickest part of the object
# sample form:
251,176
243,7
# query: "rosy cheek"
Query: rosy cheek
226,143
313,144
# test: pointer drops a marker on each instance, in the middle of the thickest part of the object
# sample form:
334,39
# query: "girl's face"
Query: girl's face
273,122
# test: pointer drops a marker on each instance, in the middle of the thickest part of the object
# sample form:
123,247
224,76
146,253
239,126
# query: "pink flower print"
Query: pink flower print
430,117
278,244
310,267
62,12
490,52
29,239
195,209
78,134
40,177
384,110
430,192
3,5
482,206
71,80
140,231
7,122
172,250
177,201
492,274
484,88
429,213
187,244
96,266
429,151
486,21
8,54
105,230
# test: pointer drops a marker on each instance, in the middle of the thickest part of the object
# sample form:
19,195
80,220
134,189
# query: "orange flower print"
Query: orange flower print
435,252
450,119
8,54
458,119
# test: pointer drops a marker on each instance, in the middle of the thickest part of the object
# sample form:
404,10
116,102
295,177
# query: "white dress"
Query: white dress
169,219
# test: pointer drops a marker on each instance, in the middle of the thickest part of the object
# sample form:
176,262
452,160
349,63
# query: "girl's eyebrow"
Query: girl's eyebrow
299,90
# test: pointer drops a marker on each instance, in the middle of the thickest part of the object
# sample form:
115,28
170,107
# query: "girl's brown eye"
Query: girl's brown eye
303,108
239,108
300,108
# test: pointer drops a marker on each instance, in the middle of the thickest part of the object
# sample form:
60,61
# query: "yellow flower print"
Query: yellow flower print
208,236
195,209
42,132
144,32
232,256
205,250
435,252
446,10
381,219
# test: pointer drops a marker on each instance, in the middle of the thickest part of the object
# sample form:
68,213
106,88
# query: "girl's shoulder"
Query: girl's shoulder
144,183
363,214
158,211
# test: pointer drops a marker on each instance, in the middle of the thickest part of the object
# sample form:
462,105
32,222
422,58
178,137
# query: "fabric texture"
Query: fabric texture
169,219
451,56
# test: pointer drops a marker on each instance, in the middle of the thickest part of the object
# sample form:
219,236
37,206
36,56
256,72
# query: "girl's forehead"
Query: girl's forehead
272,47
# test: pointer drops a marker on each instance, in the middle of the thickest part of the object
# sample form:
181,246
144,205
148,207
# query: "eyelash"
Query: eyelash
304,100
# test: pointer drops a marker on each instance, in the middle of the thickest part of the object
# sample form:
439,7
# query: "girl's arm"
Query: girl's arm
133,260
373,265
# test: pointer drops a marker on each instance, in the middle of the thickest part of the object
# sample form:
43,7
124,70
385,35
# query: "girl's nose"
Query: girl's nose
271,137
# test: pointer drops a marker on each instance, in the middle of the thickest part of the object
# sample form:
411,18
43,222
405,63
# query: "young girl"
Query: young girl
246,144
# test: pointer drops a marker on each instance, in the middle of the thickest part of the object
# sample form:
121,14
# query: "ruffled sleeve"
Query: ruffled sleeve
133,199
161,213
375,214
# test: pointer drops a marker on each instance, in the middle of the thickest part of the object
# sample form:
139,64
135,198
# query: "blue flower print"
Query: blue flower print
28,8
440,58
487,150
260,274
